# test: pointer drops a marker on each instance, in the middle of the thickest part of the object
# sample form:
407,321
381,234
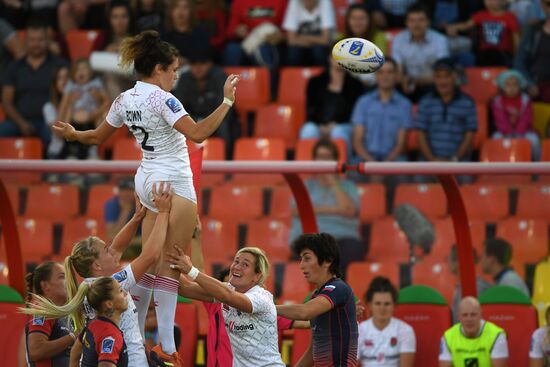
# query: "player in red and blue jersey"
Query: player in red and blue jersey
103,344
331,309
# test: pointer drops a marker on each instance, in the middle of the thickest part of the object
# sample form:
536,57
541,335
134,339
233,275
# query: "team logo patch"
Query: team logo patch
329,288
355,48
393,341
173,104
121,276
107,345
38,320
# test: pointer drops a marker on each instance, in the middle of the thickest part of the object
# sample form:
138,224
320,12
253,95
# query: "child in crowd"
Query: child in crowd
58,81
512,111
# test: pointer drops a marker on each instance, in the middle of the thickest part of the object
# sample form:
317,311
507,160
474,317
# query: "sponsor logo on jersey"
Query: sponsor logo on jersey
38,320
329,288
121,276
173,104
355,48
107,345
239,328
369,343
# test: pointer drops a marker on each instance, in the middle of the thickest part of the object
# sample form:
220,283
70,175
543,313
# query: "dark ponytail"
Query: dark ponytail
42,272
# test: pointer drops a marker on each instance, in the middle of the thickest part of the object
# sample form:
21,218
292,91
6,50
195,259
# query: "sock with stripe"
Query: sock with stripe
141,294
166,299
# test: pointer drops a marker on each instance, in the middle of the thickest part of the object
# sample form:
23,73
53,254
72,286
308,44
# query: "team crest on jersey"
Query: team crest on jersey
107,345
121,276
173,105
393,341
329,288
38,320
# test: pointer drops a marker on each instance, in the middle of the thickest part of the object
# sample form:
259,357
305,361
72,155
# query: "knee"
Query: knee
309,131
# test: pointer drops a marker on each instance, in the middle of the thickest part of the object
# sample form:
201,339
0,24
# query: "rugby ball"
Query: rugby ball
358,55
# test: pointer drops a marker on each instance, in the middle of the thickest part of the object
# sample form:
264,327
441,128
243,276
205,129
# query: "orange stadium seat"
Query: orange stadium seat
232,201
253,87
428,198
482,125
485,202
545,156
127,149
97,197
280,206
77,229
57,202
278,121
388,242
481,84
36,239
435,274
82,42
272,236
300,343
213,150
340,9
295,286
21,148
219,239
13,195
390,35
187,320
120,133
372,198
12,324
262,149
445,238
506,150
534,202
293,86
360,274
304,149
528,238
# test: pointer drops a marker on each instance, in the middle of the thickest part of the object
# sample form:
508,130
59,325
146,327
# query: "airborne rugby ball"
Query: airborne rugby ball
358,55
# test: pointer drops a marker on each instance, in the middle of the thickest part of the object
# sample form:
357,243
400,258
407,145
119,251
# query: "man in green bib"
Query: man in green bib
473,342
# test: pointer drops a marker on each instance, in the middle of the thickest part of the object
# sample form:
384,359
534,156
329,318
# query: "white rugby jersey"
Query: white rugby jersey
540,348
253,336
129,324
150,114
382,348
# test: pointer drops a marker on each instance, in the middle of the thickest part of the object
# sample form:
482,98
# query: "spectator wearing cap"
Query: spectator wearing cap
416,49
200,90
119,209
513,111
495,261
533,57
446,118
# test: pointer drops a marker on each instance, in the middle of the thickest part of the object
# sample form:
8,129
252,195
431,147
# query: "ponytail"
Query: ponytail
33,280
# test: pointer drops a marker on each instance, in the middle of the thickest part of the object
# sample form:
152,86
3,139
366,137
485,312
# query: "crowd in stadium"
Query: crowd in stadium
463,80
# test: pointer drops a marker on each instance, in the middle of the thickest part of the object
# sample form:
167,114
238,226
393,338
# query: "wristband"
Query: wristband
228,102
193,273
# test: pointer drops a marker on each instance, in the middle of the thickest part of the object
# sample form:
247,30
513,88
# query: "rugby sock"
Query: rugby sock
166,299
141,294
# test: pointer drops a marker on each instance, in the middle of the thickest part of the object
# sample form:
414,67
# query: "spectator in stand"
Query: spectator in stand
385,341
495,261
26,87
415,50
540,344
119,209
149,15
79,14
481,284
381,119
182,29
336,206
329,103
446,119
213,17
392,12
11,47
513,111
58,81
200,90
358,23
497,31
473,339
533,57
246,16
309,27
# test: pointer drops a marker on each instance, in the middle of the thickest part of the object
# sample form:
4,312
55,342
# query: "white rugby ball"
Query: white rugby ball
358,55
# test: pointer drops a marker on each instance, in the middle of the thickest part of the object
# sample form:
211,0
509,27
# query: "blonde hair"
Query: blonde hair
262,263
84,253
96,293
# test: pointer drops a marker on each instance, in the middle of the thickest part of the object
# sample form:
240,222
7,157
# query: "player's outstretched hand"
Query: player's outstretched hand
230,86
64,129
162,196
178,260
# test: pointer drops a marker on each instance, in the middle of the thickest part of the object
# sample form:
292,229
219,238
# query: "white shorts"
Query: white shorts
182,186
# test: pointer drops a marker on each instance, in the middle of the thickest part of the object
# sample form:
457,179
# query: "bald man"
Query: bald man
473,342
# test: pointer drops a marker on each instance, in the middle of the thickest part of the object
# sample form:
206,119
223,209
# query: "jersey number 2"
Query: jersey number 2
145,137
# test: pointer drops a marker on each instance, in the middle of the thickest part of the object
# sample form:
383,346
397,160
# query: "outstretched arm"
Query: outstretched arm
127,233
90,137
306,311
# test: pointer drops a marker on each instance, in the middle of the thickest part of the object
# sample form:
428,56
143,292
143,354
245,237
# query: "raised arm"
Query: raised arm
198,132
124,237
90,137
